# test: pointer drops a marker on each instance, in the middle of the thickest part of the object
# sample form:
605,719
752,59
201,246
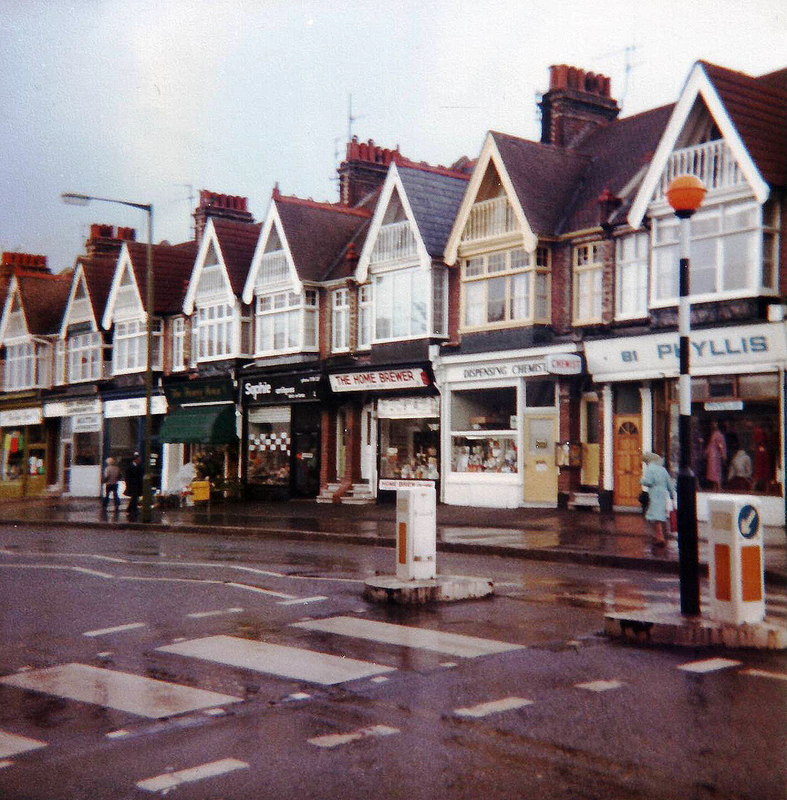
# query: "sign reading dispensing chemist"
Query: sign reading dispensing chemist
712,351
553,364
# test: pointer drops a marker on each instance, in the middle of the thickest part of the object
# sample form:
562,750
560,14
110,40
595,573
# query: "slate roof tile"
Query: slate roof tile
44,299
172,268
237,242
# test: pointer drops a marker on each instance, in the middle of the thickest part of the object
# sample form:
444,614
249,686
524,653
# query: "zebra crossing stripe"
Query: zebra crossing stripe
453,644
273,659
336,739
493,707
761,673
709,665
145,697
599,686
117,629
169,780
11,744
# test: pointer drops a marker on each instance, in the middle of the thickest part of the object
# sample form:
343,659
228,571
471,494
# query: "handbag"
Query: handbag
673,515
644,500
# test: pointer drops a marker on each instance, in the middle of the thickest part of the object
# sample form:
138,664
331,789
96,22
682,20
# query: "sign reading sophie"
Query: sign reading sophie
376,380
276,389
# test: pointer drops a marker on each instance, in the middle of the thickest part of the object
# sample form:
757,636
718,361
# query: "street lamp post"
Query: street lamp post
147,481
685,194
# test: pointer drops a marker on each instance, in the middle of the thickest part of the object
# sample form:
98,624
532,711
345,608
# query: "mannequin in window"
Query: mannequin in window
716,455
739,471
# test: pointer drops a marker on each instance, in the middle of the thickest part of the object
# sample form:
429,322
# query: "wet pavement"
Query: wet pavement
615,539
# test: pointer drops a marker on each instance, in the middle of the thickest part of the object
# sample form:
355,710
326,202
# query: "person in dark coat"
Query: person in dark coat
135,473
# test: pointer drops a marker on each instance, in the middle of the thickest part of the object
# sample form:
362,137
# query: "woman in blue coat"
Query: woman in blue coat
661,489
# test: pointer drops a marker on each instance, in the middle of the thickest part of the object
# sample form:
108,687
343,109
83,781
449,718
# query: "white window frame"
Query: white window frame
130,346
395,292
365,316
632,253
286,322
525,280
713,229
587,262
340,320
178,344
213,333
20,366
85,357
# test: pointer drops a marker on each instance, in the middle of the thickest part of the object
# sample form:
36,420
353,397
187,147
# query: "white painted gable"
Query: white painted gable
209,280
13,324
273,239
79,308
125,300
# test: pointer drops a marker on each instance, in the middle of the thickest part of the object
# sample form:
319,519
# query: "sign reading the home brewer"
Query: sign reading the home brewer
377,380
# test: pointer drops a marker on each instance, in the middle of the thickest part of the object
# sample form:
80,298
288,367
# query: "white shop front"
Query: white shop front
738,401
500,425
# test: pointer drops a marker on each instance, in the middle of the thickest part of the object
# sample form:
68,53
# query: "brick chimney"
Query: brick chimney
220,206
577,103
107,239
13,263
364,170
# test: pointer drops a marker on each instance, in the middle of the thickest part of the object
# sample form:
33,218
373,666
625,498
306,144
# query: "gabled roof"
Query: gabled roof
751,115
235,243
43,298
97,272
317,233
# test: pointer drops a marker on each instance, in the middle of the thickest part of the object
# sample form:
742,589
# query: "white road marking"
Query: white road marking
761,673
11,744
273,659
118,734
299,696
599,686
493,707
709,665
302,600
336,739
170,780
65,568
249,588
218,613
117,629
453,644
145,697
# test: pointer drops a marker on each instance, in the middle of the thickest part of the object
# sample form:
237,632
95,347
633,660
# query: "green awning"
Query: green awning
200,425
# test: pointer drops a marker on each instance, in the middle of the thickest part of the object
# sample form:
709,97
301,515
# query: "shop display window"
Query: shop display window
269,447
735,434
409,449
484,430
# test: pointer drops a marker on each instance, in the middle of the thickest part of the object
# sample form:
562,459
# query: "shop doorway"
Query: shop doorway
541,432
628,459
368,446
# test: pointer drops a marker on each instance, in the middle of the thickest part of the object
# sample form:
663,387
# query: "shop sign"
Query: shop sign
394,484
564,364
483,372
134,407
199,391
724,405
71,408
380,380
17,417
281,388
408,408
723,348
87,423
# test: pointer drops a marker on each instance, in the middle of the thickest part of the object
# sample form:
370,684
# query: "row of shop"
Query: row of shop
517,428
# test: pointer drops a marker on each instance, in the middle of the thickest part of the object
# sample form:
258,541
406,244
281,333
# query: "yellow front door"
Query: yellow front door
541,432
628,459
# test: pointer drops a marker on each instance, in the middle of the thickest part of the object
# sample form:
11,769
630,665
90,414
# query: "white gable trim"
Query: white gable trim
209,238
13,292
697,85
393,181
124,265
489,153
272,221
79,278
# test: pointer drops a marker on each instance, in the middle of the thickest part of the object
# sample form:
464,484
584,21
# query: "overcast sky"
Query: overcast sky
153,101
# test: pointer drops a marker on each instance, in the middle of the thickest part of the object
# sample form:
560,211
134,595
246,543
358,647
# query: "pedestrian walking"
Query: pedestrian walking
661,491
110,479
134,476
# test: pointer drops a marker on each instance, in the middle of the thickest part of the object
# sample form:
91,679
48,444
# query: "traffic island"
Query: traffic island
441,588
669,627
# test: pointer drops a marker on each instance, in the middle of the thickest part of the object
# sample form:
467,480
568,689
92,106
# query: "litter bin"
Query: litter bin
200,491
416,533
736,561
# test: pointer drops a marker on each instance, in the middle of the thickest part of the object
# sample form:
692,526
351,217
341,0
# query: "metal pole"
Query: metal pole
688,548
147,480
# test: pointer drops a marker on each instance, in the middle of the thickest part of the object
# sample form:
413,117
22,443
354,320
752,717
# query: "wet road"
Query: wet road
135,663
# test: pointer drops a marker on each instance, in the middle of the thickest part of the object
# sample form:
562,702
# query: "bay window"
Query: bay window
286,322
340,320
506,287
178,344
732,251
401,302
212,335
588,265
365,316
20,363
85,357
631,259
130,346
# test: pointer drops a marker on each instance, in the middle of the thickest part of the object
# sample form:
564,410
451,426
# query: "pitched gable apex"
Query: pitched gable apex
490,154
393,190
698,87
79,307
125,267
13,301
271,227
